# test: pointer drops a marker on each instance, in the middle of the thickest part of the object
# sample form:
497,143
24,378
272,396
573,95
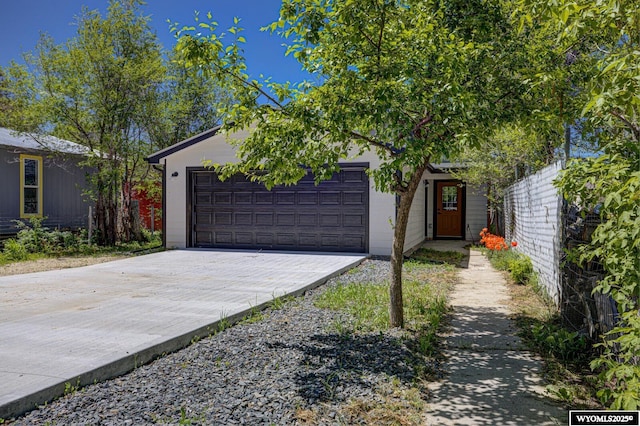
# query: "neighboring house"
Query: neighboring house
41,179
344,214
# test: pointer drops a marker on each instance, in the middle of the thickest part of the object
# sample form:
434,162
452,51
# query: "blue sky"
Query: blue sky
23,20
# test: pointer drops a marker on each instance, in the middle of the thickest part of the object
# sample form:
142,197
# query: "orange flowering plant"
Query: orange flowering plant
494,242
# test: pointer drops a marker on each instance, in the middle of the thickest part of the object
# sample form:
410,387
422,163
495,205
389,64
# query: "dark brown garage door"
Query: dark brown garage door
236,213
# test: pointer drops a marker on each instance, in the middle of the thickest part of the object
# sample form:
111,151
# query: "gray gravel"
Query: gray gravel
288,368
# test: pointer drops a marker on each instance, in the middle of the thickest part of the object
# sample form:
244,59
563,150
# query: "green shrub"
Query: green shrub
563,345
36,238
151,237
517,264
33,236
500,259
521,268
14,250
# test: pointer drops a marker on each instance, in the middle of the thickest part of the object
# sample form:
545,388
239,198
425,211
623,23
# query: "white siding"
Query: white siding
533,209
416,227
218,150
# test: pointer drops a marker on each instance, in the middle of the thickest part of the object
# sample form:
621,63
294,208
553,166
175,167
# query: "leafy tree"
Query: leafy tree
188,104
513,151
609,183
5,100
410,80
96,89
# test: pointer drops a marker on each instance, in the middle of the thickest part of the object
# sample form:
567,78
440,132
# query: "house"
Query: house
42,179
344,214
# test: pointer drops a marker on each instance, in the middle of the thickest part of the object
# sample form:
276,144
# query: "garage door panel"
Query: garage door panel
237,213
286,219
223,237
353,220
330,198
264,239
264,219
307,198
331,220
328,240
204,199
356,198
222,218
243,218
240,198
222,199
204,179
204,237
308,219
286,240
353,241
354,176
244,238
264,198
287,198
203,218
308,240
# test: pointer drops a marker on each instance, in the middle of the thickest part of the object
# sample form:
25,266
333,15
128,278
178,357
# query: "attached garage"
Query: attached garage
239,214
343,214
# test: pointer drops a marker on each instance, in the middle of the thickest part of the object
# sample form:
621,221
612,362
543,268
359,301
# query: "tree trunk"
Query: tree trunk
405,199
101,219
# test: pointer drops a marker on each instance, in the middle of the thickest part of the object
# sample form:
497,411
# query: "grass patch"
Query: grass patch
364,302
566,354
366,306
425,289
401,406
428,255
517,264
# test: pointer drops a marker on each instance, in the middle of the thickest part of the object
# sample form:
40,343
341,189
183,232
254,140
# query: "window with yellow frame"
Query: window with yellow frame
30,186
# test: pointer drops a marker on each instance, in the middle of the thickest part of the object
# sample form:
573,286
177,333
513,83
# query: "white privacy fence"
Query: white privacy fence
533,218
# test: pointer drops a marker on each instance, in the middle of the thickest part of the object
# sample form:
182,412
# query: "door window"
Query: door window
450,198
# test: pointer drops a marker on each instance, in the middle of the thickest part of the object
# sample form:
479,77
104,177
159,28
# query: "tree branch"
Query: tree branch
367,37
388,148
635,129
250,84
379,47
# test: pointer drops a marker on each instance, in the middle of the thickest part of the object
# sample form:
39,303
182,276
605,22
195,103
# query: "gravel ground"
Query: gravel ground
291,367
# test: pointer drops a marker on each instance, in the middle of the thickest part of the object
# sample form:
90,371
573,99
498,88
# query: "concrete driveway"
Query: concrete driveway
73,327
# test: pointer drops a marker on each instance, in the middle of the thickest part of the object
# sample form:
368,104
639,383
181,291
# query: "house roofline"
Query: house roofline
156,156
41,143
448,167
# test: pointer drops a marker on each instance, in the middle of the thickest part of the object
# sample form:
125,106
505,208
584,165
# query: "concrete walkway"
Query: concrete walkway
493,379
75,326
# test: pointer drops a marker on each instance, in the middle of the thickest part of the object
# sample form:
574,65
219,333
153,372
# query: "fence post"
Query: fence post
153,219
90,224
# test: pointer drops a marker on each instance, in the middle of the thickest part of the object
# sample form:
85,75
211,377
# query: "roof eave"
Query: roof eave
179,146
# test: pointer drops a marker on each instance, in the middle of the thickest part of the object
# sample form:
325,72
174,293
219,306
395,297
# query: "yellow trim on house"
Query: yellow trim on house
37,158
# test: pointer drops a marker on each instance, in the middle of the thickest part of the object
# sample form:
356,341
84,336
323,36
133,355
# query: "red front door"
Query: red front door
449,210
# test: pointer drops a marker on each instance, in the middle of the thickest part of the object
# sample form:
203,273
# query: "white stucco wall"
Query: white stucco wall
218,150
533,208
